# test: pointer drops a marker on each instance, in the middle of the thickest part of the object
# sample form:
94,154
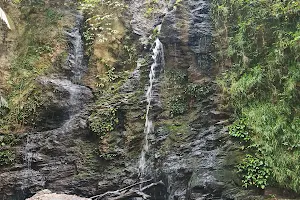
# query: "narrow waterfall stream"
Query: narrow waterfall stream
75,63
72,100
158,64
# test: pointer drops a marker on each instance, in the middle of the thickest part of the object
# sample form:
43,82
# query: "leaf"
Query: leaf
4,17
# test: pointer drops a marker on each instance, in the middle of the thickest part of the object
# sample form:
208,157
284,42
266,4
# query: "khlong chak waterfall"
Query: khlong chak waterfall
151,96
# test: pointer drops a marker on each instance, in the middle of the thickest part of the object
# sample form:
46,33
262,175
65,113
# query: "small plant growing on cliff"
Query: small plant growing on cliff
254,171
100,17
178,105
239,130
197,91
103,121
7,157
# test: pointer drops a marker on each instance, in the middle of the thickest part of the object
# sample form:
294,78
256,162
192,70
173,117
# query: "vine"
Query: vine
257,44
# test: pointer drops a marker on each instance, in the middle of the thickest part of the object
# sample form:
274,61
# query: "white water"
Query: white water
28,160
78,95
158,57
76,51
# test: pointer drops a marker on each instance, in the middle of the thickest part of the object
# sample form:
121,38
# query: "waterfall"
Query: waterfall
73,104
75,62
28,160
156,67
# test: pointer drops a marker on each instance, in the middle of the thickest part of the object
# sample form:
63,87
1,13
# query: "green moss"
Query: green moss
41,38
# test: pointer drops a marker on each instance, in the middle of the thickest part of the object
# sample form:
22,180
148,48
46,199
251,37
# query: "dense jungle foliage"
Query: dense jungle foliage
259,43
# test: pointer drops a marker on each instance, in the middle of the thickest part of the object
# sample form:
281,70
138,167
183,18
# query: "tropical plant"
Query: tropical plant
3,17
259,40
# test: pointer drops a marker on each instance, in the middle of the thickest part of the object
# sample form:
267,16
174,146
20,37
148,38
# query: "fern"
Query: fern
4,18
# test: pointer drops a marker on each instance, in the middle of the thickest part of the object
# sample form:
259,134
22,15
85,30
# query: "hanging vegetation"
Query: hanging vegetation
261,41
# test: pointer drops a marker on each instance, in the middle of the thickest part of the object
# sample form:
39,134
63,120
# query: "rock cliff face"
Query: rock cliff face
189,148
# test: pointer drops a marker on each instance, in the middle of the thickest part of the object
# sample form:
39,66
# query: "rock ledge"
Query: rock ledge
48,195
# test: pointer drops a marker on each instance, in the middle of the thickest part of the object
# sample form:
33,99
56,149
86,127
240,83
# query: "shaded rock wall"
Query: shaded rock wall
191,152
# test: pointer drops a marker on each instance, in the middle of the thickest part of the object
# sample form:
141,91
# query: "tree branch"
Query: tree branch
128,191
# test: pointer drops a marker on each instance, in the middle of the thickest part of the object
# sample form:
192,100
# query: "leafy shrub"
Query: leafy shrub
262,83
178,105
197,91
100,17
7,157
254,171
103,121
239,130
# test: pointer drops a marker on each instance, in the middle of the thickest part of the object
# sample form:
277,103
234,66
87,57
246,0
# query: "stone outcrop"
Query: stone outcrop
48,195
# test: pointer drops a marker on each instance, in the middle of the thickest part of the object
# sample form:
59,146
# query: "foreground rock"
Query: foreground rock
48,195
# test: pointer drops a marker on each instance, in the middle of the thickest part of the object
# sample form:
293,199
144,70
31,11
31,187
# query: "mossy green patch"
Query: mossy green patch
41,42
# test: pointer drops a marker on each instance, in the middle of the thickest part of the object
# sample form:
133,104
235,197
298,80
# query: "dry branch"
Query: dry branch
128,192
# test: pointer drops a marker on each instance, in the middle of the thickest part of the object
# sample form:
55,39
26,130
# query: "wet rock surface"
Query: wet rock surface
59,154
196,162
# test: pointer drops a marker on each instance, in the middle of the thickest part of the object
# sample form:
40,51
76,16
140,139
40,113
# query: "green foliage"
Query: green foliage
52,16
103,121
239,130
254,171
151,6
149,11
261,39
178,77
196,91
178,105
8,140
181,94
177,3
34,58
100,17
127,54
7,157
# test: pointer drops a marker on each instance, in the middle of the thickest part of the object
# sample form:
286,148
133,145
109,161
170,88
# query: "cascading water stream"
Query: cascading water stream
75,61
158,58
75,101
